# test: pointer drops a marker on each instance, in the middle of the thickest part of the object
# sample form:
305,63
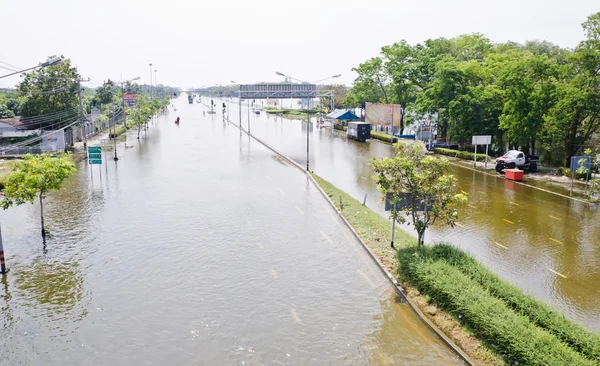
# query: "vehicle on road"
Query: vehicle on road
516,159
359,131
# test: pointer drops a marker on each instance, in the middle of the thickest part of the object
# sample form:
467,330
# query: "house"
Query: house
13,128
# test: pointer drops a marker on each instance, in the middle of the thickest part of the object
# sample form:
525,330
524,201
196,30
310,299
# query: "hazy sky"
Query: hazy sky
196,42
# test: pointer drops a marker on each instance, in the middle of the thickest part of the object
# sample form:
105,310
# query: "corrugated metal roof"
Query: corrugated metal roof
342,114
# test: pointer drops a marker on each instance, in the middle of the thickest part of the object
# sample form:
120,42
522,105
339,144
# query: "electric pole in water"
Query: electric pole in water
82,121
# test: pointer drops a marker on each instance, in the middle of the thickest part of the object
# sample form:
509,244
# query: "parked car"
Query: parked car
516,159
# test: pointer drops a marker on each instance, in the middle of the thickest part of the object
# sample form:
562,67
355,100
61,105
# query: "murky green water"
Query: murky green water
198,247
546,244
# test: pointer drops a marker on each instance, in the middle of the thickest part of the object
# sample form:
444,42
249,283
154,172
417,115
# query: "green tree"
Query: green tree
529,86
5,112
339,95
49,90
35,176
575,117
105,93
426,179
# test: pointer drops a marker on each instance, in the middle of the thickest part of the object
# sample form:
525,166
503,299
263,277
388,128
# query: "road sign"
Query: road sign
405,200
94,155
587,163
481,140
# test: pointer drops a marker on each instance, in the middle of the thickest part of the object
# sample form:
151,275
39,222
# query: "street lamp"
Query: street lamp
150,88
307,111
51,62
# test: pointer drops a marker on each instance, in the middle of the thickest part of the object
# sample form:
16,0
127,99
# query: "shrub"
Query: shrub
460,154
384,137
538,313
340,127
511,335
564,171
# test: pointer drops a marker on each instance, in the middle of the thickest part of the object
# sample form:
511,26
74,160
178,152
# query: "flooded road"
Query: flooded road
546,244
198,247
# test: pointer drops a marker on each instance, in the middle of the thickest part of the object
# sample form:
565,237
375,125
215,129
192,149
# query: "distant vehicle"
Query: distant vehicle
257,111
516,159
359,131
441,144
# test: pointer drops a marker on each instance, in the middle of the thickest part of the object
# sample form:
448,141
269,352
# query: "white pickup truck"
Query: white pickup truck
516,159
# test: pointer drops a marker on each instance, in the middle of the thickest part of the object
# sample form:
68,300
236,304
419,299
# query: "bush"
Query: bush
564,171
511,335
340,127
384,137
538,313
118,131
460,154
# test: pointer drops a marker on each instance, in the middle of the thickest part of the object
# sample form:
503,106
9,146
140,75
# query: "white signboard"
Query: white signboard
482,140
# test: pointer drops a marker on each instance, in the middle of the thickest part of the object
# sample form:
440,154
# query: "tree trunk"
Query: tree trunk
139,130
421,237
42,215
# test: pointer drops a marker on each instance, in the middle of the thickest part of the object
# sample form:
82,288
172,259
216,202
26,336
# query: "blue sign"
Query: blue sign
576,163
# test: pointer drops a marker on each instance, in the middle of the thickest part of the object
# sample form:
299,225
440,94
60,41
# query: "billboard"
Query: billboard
131,99
383,114
266,91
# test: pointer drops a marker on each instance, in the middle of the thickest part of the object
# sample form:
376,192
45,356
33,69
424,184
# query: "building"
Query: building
13,128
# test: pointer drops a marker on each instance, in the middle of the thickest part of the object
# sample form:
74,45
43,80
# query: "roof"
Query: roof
342,114
11,121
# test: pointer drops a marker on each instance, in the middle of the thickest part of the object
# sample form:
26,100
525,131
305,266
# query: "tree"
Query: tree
5,112
575,117
339,95
529,86
48,91
106,92
35,176
424,177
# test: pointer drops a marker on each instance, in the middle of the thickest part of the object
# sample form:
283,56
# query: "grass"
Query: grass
374,229
460,154
573,334
491,320
511,335
384,137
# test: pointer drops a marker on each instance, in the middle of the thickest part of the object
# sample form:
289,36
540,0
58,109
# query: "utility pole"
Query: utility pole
308,134
81,116
115,132
3,269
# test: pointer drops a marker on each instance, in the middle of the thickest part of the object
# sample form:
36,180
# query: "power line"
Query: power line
13,66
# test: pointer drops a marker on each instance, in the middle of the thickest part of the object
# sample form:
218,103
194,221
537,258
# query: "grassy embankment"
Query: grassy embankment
290,113
461,154
491,320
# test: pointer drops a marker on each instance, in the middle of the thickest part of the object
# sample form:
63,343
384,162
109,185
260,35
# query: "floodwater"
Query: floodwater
198,247
546,244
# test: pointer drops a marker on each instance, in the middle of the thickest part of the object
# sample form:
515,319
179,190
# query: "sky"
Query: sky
195,43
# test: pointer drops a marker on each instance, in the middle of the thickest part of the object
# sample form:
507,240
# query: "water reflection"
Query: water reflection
52,289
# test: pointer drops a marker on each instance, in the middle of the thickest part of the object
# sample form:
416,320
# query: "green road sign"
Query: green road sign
94,154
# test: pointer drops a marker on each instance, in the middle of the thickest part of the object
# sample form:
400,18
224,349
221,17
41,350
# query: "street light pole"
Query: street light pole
150,87
51,62
3,269
307,113
115,132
